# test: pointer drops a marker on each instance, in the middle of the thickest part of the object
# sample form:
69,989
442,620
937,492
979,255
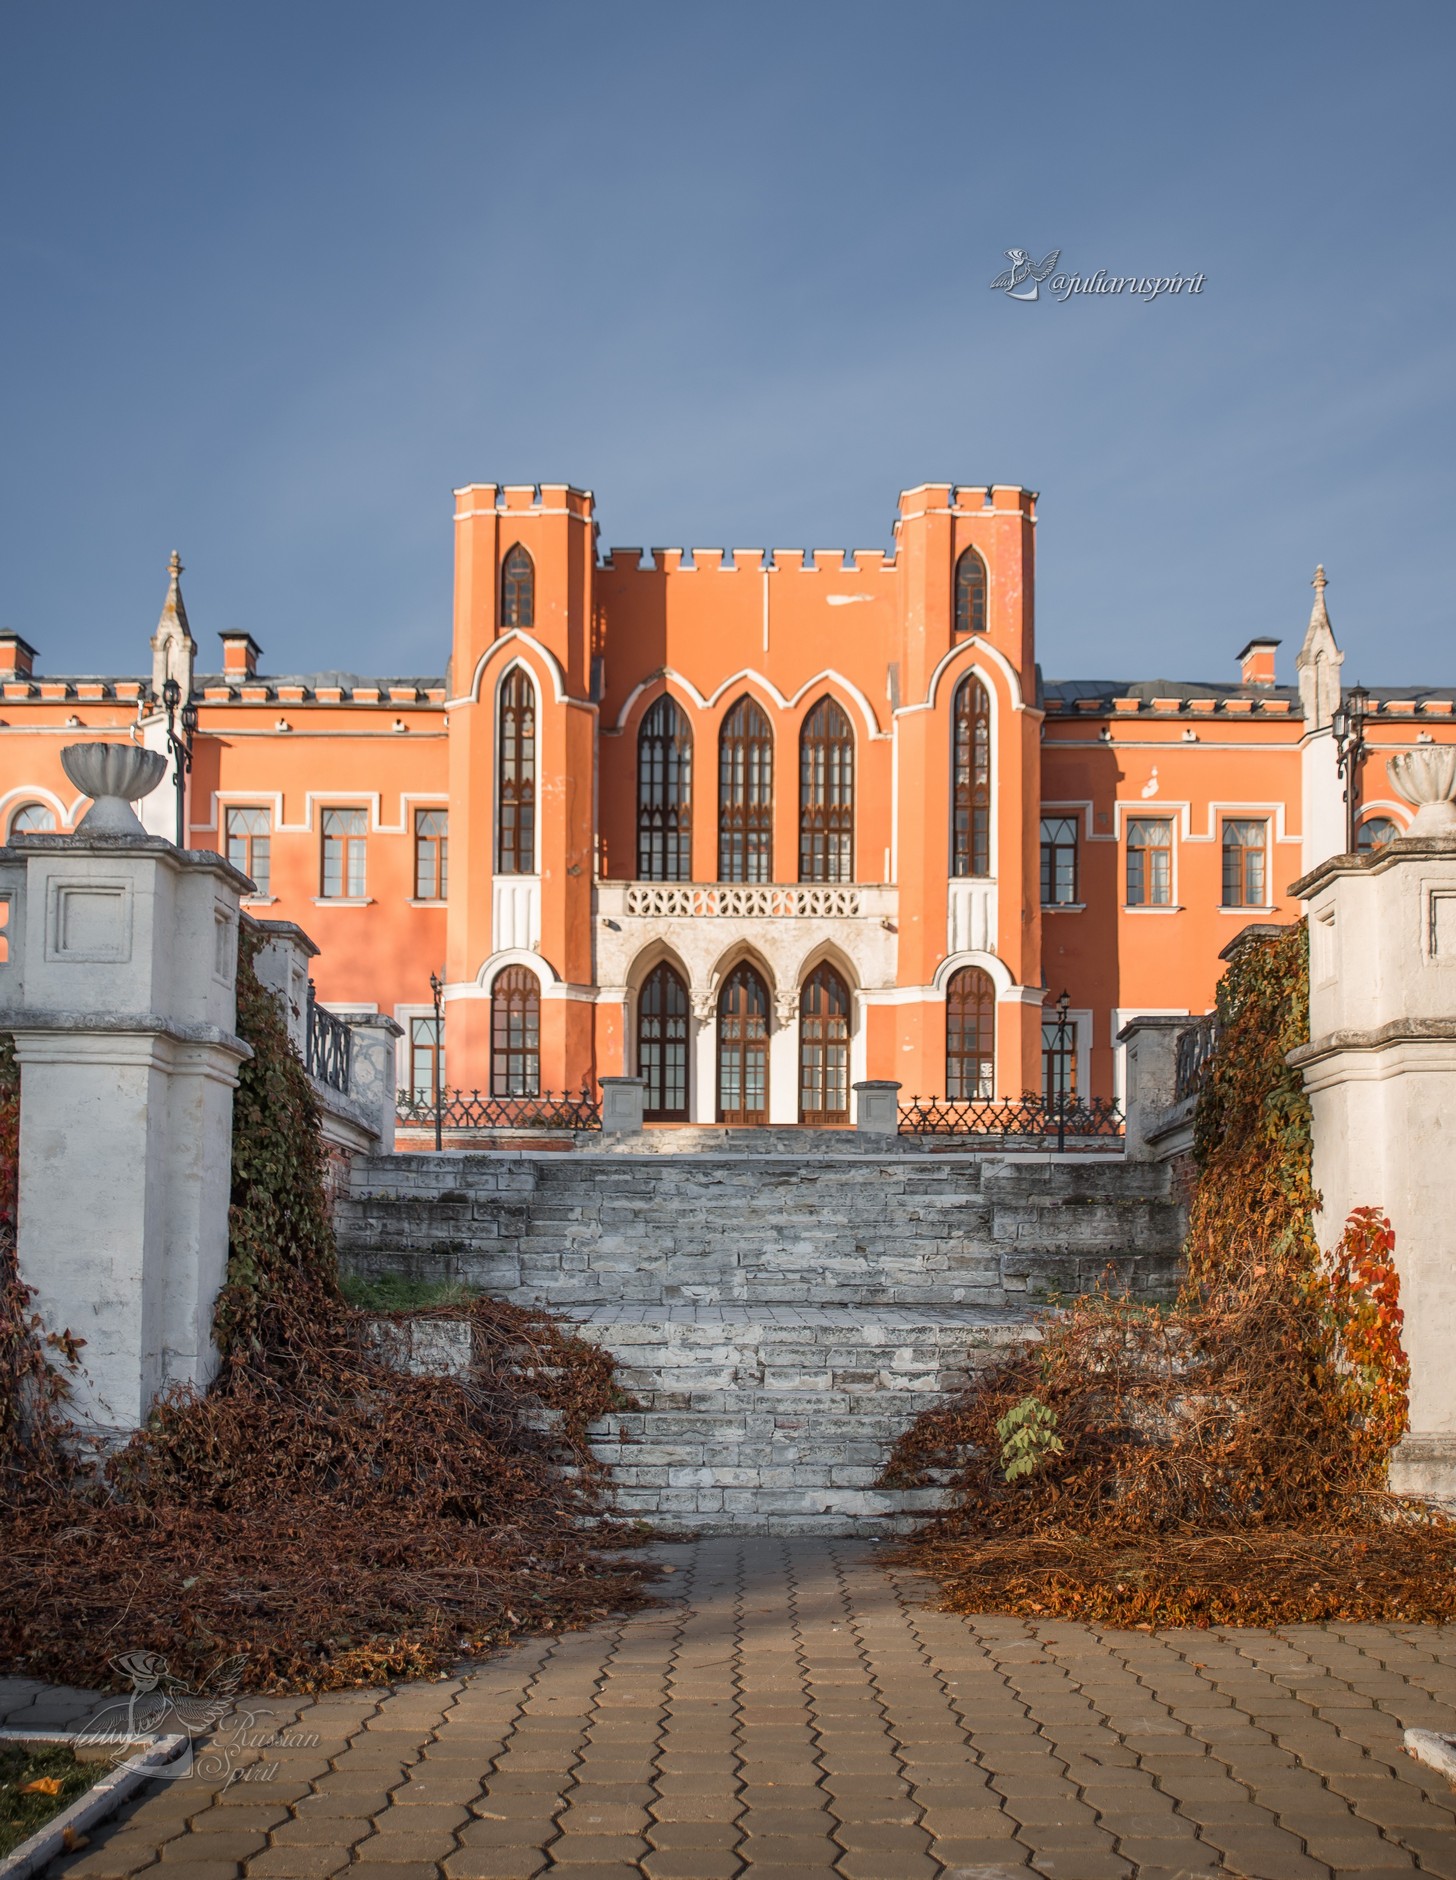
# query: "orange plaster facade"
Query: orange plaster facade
355,787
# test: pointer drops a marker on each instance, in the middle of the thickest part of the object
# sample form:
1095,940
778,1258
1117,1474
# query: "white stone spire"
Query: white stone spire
1319,663
174,651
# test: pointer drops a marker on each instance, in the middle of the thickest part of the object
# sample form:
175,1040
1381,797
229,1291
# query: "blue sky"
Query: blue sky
278,277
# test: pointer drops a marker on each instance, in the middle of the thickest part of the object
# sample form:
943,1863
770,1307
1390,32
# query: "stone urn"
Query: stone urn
115,775
1426,777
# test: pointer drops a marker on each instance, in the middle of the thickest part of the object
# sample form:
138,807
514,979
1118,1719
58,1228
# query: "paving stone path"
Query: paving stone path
798,1710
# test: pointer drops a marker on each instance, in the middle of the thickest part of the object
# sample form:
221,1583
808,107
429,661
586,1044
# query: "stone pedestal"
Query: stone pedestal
877,1107
372,1072
120,995
1152,1078
1380,1071
623,1102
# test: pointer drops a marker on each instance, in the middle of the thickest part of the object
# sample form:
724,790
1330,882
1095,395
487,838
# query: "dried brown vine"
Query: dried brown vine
333,1517
1222,1461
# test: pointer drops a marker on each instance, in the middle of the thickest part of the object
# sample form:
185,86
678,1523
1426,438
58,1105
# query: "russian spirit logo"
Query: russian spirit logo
1023,280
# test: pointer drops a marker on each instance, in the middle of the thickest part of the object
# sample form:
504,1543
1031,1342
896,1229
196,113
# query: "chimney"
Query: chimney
1256,663
17,657
240,655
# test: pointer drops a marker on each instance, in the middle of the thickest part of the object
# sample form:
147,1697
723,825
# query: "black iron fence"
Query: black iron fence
1030,1118
469,1109
328,1045
1195,1050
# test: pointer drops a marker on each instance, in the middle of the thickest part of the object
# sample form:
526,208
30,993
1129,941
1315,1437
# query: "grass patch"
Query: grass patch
22,1813
393,1292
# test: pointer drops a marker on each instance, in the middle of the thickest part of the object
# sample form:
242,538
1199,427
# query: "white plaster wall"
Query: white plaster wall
1322,802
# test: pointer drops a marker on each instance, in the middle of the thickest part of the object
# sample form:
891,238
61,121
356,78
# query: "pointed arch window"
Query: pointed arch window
971,844
664,794
826,795
662,1045
824,1050
743,1048
970,593
970,1036
516,776
745,795
515,1034
518,589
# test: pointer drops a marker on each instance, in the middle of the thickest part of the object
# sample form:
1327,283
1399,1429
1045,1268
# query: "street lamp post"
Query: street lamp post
1348,726
1062,1003
180,747
437,993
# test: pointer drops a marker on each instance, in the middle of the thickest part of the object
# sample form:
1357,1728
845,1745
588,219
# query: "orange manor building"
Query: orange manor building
752,825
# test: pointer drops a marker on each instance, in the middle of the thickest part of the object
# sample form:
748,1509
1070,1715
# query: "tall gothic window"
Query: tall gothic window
518,589
971,847
826,795
664,794
662,1044
824,1049
743,1048
515,1034
970,1036
516,776
970,593
745,795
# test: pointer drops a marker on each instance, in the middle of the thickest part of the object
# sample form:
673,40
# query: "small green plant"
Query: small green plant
395,1292
1028,1434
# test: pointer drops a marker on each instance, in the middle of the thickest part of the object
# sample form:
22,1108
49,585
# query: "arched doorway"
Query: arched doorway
743,1047
824,1050
662,1045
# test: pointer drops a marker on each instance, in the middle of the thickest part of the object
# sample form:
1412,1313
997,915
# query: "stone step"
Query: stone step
588,1231
771,1419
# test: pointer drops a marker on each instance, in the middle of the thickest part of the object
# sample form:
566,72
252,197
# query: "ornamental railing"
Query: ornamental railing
469,1109
328,1044
1195,1049
1029,1118
773,901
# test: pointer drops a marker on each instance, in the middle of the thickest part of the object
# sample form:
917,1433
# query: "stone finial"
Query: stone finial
1319,662
173,648
1426,777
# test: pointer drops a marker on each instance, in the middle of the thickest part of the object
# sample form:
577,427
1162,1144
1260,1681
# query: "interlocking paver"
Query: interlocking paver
801,1713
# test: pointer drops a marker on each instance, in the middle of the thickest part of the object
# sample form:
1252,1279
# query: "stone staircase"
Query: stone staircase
780,1312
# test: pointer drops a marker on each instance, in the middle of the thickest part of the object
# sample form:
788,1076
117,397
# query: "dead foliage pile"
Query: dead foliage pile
336,1519
1222,1461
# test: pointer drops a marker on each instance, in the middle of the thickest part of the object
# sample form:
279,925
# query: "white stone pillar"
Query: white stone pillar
1380,1070
372,1063
1151,1067
125,1035
877,1107
703,1099
623,1101
282,965
783,1059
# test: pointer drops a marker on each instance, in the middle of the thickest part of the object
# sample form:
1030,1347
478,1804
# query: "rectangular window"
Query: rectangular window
426,1059
1058,1061
432,858
247,844
1058,860
1149,862
343,869
1245,864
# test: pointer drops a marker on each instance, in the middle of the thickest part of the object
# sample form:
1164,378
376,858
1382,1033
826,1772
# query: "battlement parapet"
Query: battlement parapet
751,561
474,499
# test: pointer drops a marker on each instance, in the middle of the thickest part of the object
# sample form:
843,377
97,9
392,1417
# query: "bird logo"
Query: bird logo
160,1704
1022,270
